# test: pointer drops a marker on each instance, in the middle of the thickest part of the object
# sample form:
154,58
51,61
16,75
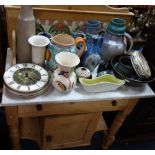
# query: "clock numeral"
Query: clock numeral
44,75
11,71
28,87
12,82
25,65
17,66
33,66
42,80
18,87
40,69
37,85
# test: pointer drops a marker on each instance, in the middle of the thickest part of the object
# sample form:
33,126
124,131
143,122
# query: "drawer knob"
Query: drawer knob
69,8
39,107
114,103
48,138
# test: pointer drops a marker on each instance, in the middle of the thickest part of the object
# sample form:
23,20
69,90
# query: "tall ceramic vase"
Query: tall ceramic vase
64,78
25,29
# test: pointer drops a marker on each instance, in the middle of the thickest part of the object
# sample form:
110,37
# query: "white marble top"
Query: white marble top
51,95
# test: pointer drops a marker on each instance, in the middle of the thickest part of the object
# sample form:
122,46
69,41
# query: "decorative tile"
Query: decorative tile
59,26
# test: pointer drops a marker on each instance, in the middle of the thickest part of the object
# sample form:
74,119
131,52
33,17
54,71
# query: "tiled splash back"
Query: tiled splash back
61,26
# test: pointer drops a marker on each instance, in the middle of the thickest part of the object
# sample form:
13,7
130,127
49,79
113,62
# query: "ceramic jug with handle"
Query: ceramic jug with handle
63,43
91,58
115,39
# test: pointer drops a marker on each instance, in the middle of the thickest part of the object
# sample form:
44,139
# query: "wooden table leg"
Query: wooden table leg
117,123
13,123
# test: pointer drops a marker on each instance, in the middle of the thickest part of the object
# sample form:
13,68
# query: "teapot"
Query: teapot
63,43
115,40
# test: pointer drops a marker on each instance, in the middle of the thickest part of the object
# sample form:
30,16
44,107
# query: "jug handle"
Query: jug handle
129,38
83,41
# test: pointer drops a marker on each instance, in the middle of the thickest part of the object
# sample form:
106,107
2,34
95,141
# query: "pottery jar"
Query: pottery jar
93,27
63,43
92,57
115,39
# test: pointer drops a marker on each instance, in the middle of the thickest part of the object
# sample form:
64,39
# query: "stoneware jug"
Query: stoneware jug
93,27
64,78
92,57
61,43
115,39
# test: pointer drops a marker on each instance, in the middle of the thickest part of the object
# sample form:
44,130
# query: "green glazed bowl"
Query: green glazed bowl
107,82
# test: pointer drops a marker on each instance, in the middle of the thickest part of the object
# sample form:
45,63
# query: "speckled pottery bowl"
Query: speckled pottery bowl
83,72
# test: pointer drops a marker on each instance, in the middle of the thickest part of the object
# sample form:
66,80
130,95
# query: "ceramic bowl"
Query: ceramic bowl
125,66
103,83
132,80
140,65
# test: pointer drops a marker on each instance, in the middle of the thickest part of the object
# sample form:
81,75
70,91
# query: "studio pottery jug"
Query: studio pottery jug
63,43
91,58
115,40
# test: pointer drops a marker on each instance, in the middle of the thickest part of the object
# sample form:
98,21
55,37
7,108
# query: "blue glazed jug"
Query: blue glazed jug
93,27
115,40
91,58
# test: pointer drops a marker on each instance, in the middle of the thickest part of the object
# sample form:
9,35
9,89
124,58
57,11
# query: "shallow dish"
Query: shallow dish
106,82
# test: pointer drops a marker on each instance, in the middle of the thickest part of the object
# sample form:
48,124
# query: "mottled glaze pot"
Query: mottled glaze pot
63,43
64,78
91,58
115,40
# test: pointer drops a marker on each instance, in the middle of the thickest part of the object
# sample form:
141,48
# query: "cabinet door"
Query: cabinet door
69,131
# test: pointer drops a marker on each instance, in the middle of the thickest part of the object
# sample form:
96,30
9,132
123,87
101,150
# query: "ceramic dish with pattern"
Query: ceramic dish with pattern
133,80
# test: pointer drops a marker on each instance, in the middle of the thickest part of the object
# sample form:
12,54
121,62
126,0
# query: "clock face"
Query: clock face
26,79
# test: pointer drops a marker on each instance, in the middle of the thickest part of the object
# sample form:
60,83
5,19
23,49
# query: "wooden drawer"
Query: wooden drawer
71,108
69,131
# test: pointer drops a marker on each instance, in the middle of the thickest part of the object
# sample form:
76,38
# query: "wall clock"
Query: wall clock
26,79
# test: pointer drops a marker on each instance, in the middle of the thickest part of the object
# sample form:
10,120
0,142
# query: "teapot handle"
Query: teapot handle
129,38
83,41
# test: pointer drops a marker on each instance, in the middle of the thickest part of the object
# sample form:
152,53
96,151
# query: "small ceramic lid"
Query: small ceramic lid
140,64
